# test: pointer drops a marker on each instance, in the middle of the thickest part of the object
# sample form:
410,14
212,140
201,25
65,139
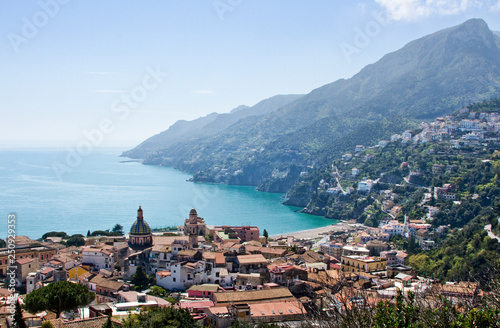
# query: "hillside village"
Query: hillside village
223,274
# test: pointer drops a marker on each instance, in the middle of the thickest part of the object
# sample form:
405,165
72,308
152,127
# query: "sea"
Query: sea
52,189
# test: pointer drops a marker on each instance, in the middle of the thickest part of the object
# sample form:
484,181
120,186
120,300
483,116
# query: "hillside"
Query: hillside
206,126
429,77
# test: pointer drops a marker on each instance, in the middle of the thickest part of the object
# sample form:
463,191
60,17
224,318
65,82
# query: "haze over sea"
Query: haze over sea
104,190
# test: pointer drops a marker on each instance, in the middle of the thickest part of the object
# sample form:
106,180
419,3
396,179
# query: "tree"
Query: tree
108,323
158,291
117,229
75,240
169,317
265,234
18,316
47,324
54,234
140,279
57,297
2,243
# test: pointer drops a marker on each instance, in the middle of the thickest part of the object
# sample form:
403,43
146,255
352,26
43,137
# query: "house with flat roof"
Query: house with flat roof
252,296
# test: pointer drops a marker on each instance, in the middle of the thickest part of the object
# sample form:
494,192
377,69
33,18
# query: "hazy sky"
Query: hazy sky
117,72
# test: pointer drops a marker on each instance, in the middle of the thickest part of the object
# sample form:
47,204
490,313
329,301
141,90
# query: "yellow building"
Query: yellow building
355,263
76,272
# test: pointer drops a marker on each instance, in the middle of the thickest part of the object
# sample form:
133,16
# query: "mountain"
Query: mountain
428,77
206,126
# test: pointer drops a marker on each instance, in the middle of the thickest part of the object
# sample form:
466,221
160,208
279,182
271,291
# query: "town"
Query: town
223,274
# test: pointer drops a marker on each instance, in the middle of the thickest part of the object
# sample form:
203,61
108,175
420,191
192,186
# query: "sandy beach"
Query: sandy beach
314,233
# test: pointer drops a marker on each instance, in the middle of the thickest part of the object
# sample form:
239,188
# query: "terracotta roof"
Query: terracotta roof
111,284
273,309
131,296
190,265
187,252
26,260
218,310
196,304
96,250
271,250
205,287
163,273
103,282
84,323
463,287
220,259
47,270
251,259
169,240
252,296
252,278
209,255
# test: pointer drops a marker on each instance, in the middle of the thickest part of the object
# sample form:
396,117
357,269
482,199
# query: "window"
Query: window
173,279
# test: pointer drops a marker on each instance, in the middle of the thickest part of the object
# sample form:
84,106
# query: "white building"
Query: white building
393,228
99,258
365,185
469,125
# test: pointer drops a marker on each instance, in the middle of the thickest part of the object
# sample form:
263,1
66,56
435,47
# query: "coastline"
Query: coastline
316,232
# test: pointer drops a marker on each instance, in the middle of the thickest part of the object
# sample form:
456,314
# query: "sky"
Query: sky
113,73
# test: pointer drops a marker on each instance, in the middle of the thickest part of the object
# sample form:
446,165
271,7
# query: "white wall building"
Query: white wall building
99,258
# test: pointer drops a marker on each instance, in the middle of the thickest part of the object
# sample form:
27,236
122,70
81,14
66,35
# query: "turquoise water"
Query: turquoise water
102,190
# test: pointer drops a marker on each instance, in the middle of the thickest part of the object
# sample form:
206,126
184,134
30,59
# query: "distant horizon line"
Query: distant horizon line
20,144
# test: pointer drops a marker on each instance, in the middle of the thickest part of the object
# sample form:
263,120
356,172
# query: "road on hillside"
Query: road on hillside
490,233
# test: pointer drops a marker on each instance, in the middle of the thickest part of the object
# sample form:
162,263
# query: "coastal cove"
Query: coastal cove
105,189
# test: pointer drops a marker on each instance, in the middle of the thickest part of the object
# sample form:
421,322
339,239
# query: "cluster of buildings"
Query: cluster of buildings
221,274
465,129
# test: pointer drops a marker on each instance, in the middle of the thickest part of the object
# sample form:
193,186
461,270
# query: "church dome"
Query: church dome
140,227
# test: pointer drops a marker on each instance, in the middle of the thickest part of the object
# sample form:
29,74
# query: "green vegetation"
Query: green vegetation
57,297
158,291
140,279
166,228
75,240
54,234
466,254
273,150
117,229
407,312
18,317
167,317
108,323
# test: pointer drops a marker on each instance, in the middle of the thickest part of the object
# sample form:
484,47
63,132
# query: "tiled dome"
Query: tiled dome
140,227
